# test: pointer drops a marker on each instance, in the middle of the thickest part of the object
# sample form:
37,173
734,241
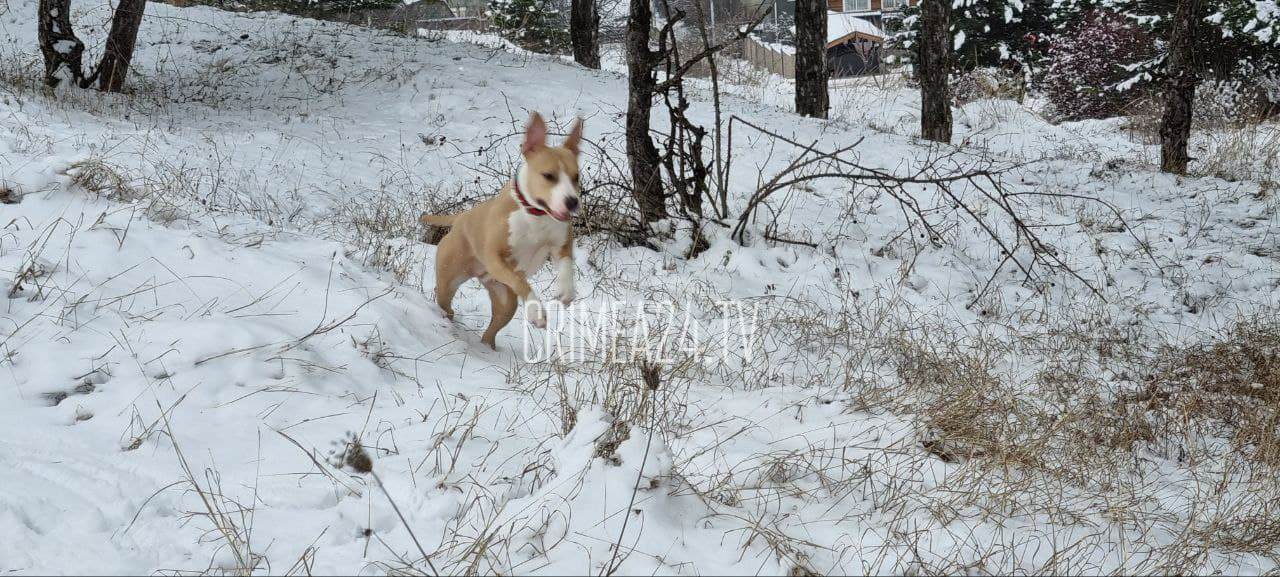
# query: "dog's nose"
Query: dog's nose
571,203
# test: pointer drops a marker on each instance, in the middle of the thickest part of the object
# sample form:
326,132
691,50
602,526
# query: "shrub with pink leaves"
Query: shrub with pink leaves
1089,66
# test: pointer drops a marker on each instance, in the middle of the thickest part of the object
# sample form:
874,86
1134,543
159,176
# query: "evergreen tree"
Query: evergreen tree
537,25
1009,34
1234,39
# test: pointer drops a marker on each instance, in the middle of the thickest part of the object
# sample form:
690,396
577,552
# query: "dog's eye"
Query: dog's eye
549,176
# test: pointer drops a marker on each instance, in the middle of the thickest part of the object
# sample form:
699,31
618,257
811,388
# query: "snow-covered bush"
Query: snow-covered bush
537,25
1270,85
973,85
1230,102
983,83
1088,63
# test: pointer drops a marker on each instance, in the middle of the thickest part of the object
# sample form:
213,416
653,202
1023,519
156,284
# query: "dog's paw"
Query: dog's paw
565,295
534,313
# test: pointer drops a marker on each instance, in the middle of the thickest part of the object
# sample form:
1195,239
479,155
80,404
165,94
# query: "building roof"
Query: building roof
840,26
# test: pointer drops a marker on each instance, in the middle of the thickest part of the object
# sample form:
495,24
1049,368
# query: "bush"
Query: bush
536,25
982,83
1229,102
1088,64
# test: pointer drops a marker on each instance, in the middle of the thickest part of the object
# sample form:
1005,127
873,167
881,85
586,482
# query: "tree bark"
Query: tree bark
1180,89
811,58
935,50
584,32
642,156
118,53
58,43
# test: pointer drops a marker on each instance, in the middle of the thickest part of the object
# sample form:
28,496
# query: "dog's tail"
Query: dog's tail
445,220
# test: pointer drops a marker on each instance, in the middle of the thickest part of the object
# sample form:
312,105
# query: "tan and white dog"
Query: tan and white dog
510,236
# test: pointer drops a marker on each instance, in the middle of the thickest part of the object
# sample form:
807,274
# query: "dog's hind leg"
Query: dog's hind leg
446,286
502,301
451,271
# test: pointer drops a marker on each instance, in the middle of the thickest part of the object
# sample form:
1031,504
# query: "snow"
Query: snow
959,40
1261,18
1266,12
840,24
214,280
64,46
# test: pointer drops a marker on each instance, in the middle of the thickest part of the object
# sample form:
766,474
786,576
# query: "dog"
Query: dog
512,235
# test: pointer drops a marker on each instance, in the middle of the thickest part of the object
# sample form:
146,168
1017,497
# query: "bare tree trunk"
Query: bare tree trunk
646,175
718,167
114,66
58,43
584,32
934,52
811,58
1180,90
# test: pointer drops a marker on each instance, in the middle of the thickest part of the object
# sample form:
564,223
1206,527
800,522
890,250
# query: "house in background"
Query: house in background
873,11
853,45
446,14
783,11
404,17
467,8
855,34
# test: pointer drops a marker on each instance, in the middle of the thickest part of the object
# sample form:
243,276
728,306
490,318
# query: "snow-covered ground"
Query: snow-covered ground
213,283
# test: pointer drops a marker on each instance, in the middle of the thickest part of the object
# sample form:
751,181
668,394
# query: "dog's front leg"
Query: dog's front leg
564,281
564,276
498,268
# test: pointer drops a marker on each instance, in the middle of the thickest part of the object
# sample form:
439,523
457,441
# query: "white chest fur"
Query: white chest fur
534,239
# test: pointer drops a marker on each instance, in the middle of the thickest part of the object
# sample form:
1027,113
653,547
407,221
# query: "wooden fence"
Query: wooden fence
767,58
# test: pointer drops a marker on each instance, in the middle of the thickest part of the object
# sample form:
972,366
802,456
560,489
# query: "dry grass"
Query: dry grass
1230,387
968,412
1067,415
1071,431
1242,151
9,194
230,519
102,179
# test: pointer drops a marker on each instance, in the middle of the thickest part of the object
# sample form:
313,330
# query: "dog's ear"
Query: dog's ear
535,134
575,137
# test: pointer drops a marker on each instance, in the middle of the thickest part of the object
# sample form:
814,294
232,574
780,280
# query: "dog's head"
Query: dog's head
551,172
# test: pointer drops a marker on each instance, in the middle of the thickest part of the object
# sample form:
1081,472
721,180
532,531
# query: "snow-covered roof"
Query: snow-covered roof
840,25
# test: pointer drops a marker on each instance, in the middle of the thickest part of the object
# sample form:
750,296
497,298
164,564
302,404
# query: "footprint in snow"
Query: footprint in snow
88,384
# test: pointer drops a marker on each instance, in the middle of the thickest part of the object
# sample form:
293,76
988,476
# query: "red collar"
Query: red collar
529,208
